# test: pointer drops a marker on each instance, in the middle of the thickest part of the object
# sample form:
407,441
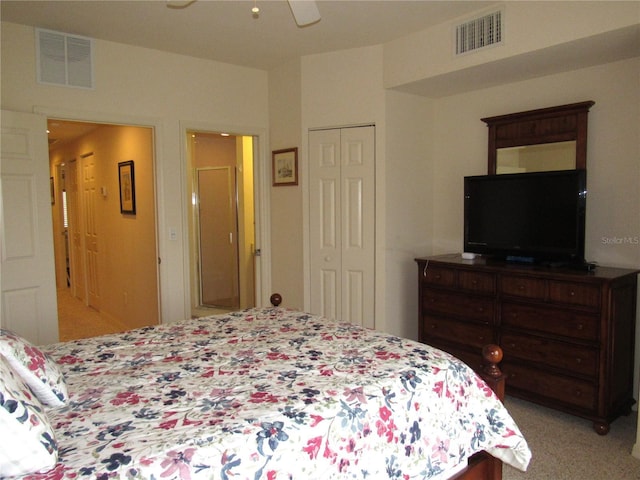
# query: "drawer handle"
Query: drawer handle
578,393
433,326
578,360
512,345
572,293
437,276
580,326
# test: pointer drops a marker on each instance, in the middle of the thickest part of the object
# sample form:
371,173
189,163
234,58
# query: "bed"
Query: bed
264,393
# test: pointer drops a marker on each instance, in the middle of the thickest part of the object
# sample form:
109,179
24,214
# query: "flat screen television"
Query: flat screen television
530,217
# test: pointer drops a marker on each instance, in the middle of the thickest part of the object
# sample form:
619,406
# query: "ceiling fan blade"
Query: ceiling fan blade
305,12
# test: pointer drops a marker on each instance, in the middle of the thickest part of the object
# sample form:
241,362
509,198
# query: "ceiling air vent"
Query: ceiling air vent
64,59
481,32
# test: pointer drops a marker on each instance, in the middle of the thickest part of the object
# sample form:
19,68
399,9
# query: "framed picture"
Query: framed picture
127,187
285,167
53,191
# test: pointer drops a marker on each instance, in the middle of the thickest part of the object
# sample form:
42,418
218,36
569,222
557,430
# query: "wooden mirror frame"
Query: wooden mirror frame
546,125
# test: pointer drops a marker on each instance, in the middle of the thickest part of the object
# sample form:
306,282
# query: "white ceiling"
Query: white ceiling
226,30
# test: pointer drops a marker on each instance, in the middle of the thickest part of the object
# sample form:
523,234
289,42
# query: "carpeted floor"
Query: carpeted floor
75,320
567,448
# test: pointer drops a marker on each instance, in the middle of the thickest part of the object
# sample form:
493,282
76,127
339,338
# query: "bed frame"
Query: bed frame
482,466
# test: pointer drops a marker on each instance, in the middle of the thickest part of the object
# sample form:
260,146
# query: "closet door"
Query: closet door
342,214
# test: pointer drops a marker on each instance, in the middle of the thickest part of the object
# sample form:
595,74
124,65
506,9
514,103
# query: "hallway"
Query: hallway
75,320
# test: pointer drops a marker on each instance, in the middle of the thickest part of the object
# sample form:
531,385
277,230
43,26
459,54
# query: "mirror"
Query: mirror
536,158
553,138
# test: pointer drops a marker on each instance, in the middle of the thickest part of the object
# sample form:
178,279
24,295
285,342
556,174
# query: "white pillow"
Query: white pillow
27,442
36,368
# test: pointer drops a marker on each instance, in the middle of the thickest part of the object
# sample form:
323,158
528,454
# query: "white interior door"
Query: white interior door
90,196
76,256
28,300
342,223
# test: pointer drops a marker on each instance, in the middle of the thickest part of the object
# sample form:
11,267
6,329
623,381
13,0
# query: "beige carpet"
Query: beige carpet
567,448
75,320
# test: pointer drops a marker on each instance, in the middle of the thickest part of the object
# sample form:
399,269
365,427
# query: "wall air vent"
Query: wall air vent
481,32
64,59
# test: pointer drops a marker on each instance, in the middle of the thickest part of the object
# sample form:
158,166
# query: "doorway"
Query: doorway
105,257
221,221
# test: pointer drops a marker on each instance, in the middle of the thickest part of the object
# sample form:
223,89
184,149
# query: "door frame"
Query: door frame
146,122
262,203
379,278
166,214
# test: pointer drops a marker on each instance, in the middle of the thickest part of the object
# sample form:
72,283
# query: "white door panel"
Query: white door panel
91,241
28,299
342,212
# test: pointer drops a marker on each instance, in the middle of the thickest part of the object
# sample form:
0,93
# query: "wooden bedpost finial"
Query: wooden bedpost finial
492,355
276,299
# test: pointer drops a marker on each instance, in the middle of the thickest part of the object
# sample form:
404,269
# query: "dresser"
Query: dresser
567,335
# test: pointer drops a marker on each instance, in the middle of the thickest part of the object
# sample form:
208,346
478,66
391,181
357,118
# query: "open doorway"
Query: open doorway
105,252
221,221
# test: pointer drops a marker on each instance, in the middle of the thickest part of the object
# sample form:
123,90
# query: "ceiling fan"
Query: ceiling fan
305,12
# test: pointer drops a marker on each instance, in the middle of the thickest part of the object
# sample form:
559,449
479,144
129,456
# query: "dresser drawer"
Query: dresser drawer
469,334
574,359
477,282
574,293
467,307
443,277
525,287
557,321
531,383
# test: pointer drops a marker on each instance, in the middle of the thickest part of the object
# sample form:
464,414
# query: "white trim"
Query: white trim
156,125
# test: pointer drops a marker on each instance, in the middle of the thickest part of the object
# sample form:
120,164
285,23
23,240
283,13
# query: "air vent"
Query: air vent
481,32
64,59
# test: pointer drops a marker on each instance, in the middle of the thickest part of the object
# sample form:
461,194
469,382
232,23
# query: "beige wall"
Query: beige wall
127,260
168,92
612,151
287,201
532,30
409,221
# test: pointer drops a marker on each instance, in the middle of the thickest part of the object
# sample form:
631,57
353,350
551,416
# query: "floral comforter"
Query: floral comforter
271,394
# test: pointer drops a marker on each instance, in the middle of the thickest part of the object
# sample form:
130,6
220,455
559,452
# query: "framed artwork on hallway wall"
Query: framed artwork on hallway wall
285,167
127,187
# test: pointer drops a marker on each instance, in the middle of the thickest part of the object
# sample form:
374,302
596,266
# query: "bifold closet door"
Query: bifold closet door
342,223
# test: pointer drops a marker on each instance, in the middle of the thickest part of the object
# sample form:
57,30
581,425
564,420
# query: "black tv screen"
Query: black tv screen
533,217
